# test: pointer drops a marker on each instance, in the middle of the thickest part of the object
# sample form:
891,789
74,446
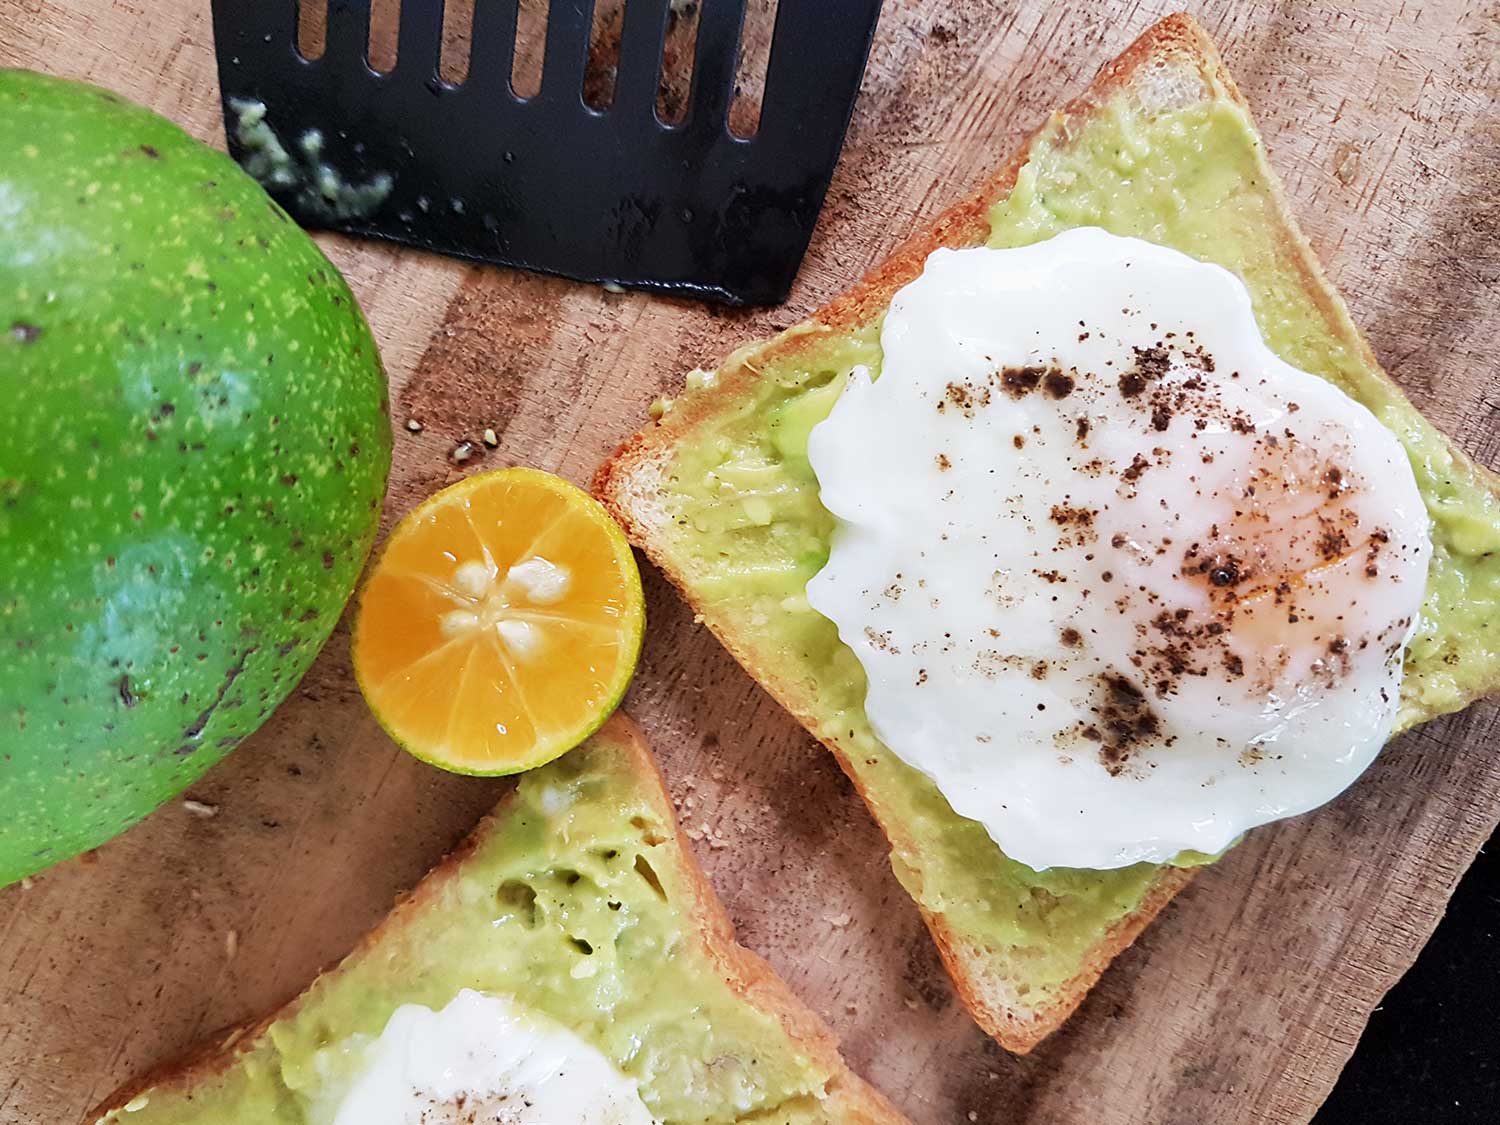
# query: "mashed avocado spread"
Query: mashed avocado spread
749,530
569,905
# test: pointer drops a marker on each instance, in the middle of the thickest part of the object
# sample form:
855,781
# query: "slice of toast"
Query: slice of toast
578,897
719,494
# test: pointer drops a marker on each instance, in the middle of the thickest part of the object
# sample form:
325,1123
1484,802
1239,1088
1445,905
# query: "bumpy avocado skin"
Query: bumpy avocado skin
193,450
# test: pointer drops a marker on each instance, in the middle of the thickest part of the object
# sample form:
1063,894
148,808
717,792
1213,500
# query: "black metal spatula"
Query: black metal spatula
548,182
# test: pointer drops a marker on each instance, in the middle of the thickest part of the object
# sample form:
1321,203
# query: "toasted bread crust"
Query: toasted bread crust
848,1097
627,483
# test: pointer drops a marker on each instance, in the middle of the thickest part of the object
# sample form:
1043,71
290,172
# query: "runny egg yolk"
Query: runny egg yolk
1292,538
1264,589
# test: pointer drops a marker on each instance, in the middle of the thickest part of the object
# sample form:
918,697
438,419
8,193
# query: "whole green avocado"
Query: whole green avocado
196,442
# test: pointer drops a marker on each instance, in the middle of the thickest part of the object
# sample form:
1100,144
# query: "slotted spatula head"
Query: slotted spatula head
547,182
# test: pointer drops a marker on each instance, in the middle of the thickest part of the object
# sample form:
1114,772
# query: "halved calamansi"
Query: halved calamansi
500,625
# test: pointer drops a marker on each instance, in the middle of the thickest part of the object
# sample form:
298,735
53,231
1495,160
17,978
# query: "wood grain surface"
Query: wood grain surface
1240,1005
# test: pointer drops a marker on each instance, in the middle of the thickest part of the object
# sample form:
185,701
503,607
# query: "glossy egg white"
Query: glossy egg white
479,1058
1123,582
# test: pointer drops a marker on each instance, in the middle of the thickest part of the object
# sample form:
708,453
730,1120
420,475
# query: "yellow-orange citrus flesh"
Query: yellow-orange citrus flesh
501,624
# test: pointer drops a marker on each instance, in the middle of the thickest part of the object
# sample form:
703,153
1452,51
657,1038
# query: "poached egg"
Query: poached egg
1122,581
482,1058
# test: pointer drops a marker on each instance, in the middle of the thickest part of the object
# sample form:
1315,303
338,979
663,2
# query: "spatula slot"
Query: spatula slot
312,28
750,73
674,86
530,50
385,18
604,54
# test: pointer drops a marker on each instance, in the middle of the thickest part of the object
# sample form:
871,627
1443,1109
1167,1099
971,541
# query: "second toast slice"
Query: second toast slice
578,898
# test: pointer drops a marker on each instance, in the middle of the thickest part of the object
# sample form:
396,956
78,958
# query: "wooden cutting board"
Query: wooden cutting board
1241,1004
